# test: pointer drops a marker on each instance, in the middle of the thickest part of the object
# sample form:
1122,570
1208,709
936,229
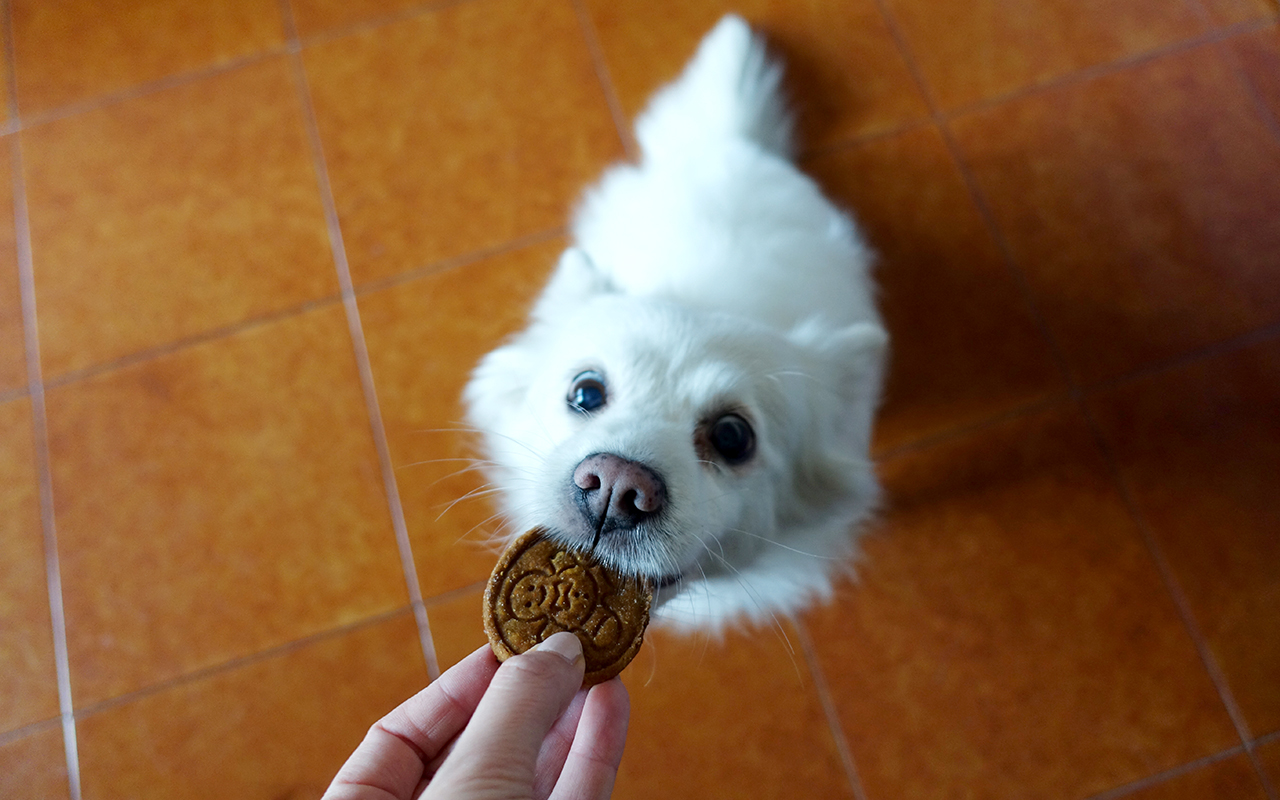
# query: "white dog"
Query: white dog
693,397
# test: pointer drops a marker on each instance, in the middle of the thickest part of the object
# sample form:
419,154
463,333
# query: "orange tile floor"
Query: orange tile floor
249,250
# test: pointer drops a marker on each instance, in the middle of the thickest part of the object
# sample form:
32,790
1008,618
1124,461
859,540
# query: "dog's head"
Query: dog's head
681,445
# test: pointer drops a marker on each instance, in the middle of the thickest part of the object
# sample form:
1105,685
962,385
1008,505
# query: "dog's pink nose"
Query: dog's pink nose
617,493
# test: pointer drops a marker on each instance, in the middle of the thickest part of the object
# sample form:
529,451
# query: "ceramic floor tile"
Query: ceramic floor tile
173,214
973,51
28,688
13,362
1140,207
1200,448
964,343
691,736
1259,53
845,74
1227,12
456,627
497,122
217,501
77,49
35,766
424,338
1232,779
275,728
1009,635
317,16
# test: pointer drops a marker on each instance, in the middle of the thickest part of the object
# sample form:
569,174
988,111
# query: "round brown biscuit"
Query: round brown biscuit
539,587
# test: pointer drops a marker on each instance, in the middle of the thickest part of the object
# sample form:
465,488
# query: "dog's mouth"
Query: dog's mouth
667,581
625,558
666,588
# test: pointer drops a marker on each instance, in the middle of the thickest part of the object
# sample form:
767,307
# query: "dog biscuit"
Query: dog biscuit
540,587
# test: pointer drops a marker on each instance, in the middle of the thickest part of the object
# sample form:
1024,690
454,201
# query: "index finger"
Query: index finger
392,758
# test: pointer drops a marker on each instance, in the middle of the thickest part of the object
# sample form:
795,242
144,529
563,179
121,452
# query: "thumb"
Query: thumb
496,755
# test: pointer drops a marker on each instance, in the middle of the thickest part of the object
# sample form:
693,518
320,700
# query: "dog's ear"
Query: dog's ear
501,381
830,468
851,362
576,279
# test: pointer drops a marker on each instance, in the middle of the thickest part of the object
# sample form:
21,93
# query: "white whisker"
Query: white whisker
482,491
780,544
755,597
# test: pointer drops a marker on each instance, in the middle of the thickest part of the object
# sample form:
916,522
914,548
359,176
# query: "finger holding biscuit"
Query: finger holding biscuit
522,730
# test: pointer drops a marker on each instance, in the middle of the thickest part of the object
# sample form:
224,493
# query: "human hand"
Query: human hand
482,731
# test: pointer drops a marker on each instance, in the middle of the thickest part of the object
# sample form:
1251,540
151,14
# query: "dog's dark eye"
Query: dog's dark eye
588,392
732,437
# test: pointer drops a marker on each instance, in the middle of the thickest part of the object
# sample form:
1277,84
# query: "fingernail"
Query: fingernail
563,644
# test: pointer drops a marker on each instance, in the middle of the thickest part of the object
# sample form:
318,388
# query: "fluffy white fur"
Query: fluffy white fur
713,276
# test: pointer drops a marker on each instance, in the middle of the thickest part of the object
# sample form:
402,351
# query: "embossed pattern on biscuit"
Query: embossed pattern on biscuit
539,588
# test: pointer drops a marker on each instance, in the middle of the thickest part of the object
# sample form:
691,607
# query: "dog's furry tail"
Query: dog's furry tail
730,90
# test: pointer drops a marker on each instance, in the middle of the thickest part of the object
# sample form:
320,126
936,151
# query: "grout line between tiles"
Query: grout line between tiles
829,709
863,139
40,431
1166,775
1206,14
592,38
240,662
979,199
1228,54
178,345
1107,68
17,122
1215,350
13,394
30,729
943,122
142,356
372,23
962,430
940,118
456,262
975,192
1172,585
360,348
348,291
1269,117
289,24
1006,252
243,326
454,594
102,101
953,432
1263,776
53,569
